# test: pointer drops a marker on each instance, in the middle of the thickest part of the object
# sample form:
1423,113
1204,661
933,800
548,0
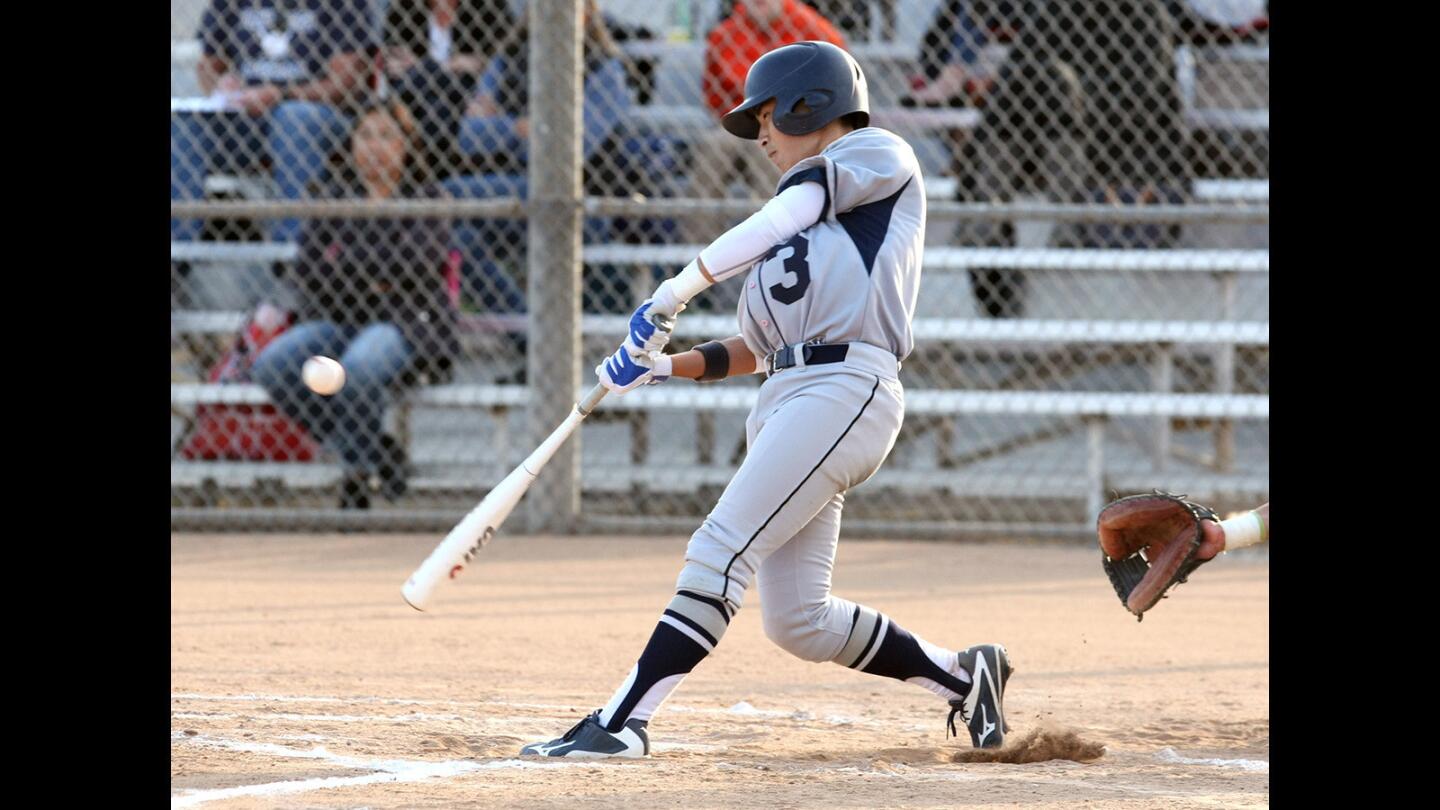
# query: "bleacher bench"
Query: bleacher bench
957,258
1237,190
1093,408
994,334
954,330
936,258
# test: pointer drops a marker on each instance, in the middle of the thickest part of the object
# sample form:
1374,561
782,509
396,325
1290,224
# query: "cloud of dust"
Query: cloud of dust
1037,745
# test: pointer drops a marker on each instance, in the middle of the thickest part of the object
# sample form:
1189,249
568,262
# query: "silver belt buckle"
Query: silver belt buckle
784,355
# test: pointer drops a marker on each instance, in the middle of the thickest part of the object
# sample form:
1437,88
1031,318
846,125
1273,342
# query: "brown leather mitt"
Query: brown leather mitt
1149,544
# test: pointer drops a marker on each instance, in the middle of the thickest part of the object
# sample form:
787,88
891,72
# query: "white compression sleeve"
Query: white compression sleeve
788,213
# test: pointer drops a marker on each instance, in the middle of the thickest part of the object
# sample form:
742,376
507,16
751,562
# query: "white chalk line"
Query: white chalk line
314,699
318,718
528,723
1168,754
741,709
525,725
391,770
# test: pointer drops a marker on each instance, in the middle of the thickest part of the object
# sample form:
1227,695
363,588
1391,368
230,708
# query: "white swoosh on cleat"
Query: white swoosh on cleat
981,673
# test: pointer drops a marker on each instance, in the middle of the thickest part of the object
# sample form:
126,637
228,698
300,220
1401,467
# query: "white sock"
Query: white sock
648,704
946,660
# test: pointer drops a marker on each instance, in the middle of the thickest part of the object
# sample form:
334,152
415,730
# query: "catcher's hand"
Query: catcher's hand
1150,543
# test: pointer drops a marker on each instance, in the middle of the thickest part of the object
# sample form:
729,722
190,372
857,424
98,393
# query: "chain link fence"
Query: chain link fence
462,200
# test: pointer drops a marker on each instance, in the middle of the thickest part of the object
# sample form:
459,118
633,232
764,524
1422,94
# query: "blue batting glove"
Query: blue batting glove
625,370
649,330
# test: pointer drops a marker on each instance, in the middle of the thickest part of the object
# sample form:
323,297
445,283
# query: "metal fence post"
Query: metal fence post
1162,382
1225,377
553,235
1094,465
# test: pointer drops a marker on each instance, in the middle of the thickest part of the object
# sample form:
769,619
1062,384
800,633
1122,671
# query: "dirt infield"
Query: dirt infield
300,679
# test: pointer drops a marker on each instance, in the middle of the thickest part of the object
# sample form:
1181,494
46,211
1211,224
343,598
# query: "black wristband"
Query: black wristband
717,361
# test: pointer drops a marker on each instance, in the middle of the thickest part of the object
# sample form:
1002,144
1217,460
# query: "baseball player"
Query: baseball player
831,273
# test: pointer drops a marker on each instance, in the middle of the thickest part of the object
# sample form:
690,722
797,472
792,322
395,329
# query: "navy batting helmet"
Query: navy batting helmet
825,78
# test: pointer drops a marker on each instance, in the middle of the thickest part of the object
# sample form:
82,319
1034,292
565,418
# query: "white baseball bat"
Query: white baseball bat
473,532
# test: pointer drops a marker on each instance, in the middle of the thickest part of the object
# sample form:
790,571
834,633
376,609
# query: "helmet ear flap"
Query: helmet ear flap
811,101
799,114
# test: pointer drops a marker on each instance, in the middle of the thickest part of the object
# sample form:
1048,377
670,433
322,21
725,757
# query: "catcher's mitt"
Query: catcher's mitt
1149,544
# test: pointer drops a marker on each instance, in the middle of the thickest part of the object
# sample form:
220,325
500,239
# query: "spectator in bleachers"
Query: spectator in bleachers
1068,77
1078,114
375,298
435,53
954,71
854,17
496,130
495,138
293,71
1220,22
1219,152
753,29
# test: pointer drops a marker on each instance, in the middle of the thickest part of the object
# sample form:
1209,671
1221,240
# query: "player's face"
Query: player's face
784,150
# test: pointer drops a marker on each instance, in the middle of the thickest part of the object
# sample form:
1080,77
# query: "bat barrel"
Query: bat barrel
466,539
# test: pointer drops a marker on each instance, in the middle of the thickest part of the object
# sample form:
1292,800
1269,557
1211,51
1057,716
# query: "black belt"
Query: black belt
812,354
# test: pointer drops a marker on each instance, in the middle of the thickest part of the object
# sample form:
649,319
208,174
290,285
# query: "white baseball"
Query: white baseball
323,375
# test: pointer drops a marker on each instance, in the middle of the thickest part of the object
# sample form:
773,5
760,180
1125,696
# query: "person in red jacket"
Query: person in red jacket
753,29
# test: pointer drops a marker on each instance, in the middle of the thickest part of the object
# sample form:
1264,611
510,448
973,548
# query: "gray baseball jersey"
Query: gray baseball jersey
817,431
855,274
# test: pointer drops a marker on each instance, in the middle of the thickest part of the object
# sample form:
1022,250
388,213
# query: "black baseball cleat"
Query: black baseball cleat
983,709
589,740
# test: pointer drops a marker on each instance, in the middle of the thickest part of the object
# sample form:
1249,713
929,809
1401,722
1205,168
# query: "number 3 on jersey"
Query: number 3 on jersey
796,264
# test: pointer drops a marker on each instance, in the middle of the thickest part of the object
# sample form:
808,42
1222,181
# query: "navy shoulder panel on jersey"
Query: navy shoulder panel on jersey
867,225
814,174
